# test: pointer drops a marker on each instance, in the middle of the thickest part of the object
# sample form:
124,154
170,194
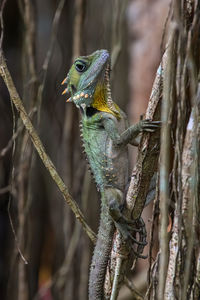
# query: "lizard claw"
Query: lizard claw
149,126
125,231
143,243
129,229
142,239
139,255
128,234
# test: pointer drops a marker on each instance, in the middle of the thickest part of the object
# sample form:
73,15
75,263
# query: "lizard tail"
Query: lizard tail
101,256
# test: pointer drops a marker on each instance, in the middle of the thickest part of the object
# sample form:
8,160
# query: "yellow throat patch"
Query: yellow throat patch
100,102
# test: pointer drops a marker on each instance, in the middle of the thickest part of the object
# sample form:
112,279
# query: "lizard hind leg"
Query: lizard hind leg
127,228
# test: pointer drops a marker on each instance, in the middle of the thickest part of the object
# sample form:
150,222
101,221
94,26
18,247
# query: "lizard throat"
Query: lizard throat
99,99
102,100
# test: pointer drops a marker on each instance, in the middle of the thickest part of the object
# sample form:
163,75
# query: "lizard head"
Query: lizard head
88,82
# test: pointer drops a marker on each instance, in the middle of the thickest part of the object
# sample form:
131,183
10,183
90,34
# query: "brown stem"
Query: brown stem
164,163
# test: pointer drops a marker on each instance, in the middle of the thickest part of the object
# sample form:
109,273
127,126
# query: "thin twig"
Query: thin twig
115,285
134,292
63,271
152,231
30,38
78,28
2,23
164,166
15,135
53,36
5,189
15,235
118,16
49,53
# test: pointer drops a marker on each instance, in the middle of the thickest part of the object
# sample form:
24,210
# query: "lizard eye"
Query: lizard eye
80,66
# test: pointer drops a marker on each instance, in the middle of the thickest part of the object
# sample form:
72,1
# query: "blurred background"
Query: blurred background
41,39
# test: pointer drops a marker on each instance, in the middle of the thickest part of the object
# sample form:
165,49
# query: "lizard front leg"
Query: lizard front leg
129,135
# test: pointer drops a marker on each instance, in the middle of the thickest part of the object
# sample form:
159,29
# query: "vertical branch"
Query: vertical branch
29,20
78,28
25,148
48,56
189,177
2,23
176,242
151,244
116,280
183,264
164,161
192,155
117,30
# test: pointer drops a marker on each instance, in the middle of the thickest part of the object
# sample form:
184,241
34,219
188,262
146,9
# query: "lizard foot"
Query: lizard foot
149,126
142,239
133,232
129,230
138,227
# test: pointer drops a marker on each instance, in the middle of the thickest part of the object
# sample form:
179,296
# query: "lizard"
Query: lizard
105,133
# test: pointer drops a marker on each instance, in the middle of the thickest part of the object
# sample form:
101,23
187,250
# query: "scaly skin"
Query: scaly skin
105,134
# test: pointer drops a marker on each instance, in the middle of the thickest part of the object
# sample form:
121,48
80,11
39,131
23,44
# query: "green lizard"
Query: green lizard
105,133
